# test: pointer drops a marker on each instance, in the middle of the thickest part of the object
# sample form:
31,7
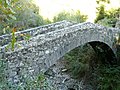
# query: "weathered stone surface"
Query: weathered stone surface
60,80
118,24
45,48
5,39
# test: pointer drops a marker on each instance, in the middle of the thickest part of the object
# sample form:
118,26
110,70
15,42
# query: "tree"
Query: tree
6,14
21,14
27,15
6,10
71,16
106,17
100,13
105,1
101,9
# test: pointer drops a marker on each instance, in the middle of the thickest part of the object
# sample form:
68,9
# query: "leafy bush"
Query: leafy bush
106,17
110,18
109,78
78,61
22,14
83,62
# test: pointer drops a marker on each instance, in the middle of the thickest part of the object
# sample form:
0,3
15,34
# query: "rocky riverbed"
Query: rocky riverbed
60,80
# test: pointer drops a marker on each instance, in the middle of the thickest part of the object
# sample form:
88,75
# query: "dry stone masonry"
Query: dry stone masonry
49,43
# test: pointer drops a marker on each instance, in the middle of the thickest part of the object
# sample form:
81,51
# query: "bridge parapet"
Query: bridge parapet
5,39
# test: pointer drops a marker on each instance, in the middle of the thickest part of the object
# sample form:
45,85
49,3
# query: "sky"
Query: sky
50,8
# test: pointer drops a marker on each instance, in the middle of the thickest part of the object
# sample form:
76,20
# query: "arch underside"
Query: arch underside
104,52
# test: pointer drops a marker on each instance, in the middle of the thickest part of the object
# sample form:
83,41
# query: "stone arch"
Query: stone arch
102,50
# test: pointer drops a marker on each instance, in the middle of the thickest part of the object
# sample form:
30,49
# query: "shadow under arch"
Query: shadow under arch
104,52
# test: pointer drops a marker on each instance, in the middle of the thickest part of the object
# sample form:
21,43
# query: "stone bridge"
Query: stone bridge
51,42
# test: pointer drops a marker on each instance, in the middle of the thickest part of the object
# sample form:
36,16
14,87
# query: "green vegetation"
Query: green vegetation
82,62
78,60
106,17
109,18
71,16
22,14
6,14
13,39
109,78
